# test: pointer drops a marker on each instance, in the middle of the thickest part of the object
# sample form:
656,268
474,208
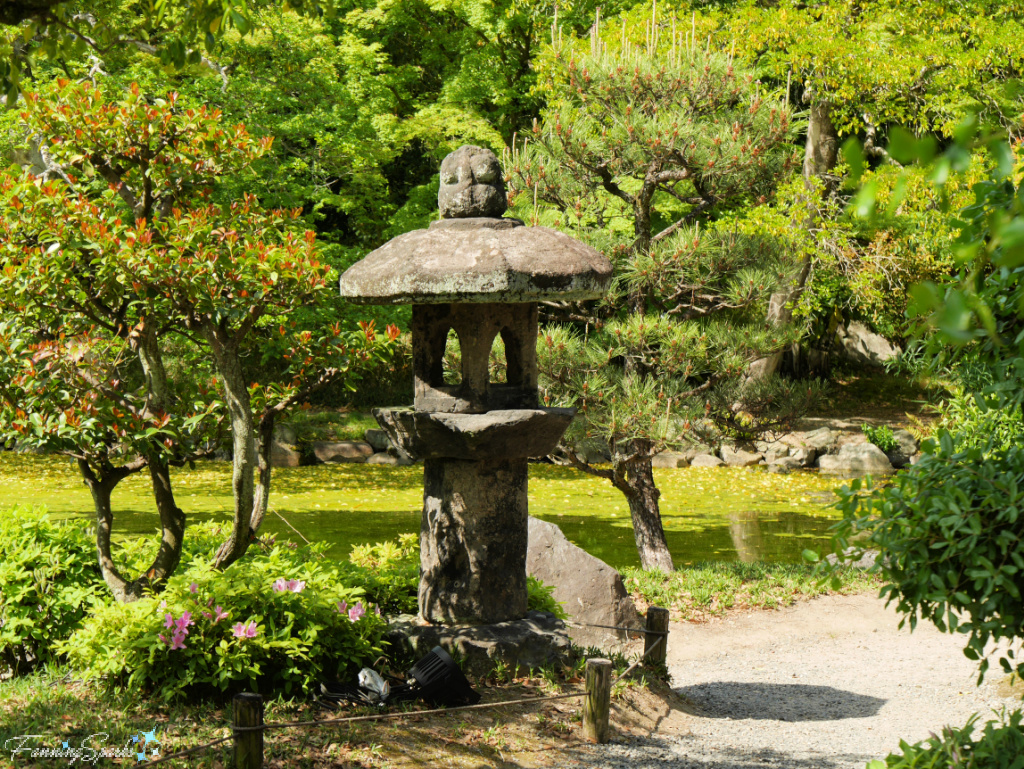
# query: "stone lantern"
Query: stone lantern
480,276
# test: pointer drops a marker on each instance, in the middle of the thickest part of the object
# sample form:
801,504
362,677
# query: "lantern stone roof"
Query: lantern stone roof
478,260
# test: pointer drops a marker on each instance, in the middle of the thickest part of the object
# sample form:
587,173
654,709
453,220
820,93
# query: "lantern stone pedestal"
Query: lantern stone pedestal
473,535
478,277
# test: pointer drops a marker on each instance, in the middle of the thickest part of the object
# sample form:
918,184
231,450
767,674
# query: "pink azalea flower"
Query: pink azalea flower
207,615
194,587
221,614
341,607
163,604
292,585
356,612
248,630
168,620
178,640
210,602
184,621
162,637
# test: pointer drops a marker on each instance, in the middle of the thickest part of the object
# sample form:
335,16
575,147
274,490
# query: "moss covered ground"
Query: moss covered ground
709,514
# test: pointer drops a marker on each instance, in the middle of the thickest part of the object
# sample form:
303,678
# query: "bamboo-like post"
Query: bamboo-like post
248,712
598,703
657,630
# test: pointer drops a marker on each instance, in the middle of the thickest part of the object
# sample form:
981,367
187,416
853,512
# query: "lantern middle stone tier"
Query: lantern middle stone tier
482,278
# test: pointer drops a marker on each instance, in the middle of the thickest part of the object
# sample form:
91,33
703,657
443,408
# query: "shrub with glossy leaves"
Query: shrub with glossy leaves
1000,745
951,531
273,621
49,581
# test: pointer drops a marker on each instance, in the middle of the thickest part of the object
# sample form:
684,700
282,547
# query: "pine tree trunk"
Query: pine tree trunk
643,495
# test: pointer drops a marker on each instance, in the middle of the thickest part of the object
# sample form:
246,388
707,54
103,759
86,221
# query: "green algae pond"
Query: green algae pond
710,514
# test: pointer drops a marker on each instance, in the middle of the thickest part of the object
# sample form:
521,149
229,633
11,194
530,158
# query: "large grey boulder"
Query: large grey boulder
377,438
821,440
772,450
854,460
285,433
283,455
860,344
906,448
706,460
737,457
391,460
805,456
591,591
783,465
342,451
670,459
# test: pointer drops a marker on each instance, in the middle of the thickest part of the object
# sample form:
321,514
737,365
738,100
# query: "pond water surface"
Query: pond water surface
710,514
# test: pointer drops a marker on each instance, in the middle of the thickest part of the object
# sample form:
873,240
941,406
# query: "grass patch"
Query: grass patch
701,591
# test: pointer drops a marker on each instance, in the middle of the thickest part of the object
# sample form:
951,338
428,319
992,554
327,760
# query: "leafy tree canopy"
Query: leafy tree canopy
921,65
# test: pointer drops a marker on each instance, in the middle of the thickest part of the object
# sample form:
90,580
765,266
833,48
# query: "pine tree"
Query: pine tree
644,152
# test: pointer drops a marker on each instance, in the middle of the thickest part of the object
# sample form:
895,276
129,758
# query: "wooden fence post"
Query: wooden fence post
657,629
598,701
248,711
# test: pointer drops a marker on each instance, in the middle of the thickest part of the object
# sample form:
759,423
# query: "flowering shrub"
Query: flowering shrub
50,579
271,622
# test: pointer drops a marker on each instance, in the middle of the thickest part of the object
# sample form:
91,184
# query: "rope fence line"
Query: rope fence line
402,714
637,630
596,709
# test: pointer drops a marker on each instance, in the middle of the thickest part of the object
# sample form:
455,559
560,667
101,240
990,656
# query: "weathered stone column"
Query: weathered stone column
473,541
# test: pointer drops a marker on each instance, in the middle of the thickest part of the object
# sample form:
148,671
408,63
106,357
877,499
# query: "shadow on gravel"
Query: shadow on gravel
779,702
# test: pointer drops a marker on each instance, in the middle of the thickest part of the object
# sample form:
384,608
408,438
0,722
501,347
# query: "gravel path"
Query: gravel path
828,684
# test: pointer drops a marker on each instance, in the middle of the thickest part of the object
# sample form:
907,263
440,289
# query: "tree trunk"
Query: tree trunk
264,445
820,155
243,461
643,495
147,346
123,590
821,150
172,524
